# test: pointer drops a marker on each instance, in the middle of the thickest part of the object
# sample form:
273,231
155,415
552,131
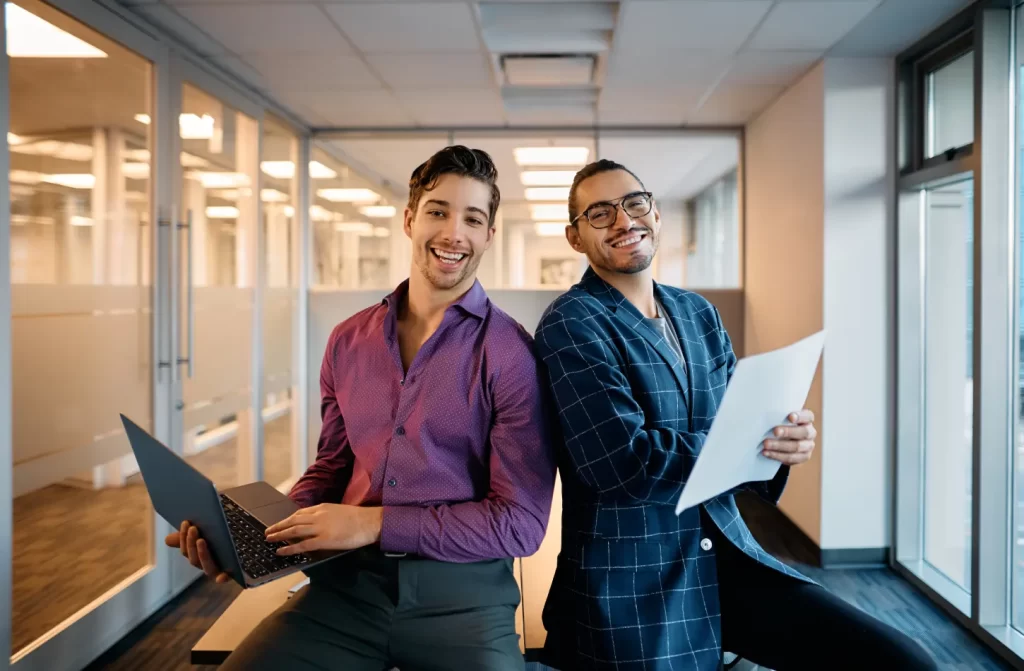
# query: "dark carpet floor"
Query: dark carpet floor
164,641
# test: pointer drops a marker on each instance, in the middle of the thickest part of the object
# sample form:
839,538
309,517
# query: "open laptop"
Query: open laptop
233,522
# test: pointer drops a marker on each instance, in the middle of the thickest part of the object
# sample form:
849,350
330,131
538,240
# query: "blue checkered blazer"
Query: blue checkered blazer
633,588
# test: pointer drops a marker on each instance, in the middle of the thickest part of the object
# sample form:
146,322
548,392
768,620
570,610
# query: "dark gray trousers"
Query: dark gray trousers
365,611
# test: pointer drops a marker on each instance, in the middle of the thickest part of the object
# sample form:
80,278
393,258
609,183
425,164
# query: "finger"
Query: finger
290,521
799,432
183,538
307,545
222,578
805,416
206,561
193,551
788,458
292,533
789,446
173,540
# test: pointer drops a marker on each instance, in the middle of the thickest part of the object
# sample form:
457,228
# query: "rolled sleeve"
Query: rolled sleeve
400,529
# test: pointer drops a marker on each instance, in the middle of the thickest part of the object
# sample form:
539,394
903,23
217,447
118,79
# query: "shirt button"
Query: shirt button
392,482
400,430
705,544
402,381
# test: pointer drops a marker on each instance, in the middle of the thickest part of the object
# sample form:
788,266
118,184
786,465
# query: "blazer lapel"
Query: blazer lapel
634,320
694,354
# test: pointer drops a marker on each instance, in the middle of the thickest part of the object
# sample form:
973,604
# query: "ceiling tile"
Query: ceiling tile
645,107
312,72
481,107
391,158
895,25
668,68
734,104
810,25
258,28
414,71
407,27
769,68
676,166
689,24
241,68
368,109
180,27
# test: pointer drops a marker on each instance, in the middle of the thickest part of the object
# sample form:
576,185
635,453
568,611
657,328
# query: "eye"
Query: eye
475,222
435,213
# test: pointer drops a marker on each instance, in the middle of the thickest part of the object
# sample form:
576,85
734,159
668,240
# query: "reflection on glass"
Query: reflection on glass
220,166
712,236
354,221
950,104
1017,482
280,298
948,383
80,245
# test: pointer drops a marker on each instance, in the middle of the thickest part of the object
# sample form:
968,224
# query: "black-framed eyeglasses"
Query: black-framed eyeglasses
602,214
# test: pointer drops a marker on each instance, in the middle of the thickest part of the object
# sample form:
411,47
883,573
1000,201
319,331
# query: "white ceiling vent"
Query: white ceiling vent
548,70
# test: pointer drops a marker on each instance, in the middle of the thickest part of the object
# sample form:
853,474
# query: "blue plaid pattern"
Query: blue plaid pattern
635,587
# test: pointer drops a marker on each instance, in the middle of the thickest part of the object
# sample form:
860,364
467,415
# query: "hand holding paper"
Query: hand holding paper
763,391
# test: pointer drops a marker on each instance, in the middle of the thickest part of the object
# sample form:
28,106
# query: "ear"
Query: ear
657,214
572,234
407,224
492,229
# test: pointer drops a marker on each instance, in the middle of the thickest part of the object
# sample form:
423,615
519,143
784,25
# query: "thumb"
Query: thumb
172,540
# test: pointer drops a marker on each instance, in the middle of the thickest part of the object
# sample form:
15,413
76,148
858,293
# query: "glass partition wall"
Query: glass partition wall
155,256
958,504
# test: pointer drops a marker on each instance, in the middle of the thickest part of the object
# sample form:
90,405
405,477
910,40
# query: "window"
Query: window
949,96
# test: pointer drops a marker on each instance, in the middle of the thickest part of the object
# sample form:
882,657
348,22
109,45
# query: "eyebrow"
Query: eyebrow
445,203
609,200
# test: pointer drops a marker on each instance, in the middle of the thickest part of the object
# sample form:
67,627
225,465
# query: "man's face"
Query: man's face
450,231
628,244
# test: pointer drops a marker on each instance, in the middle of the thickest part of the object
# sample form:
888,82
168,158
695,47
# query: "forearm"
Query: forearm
465,532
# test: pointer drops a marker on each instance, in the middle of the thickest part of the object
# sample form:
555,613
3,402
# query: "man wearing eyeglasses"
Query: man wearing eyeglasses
638,371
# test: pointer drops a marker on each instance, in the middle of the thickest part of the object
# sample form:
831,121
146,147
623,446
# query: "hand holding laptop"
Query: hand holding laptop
196,551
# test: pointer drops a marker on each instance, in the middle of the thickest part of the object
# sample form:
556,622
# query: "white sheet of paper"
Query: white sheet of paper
762,392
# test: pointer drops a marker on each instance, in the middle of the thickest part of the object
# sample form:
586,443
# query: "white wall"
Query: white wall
858,302
819,255
784,236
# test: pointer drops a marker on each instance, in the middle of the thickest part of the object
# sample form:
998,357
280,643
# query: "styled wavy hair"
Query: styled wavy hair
455,160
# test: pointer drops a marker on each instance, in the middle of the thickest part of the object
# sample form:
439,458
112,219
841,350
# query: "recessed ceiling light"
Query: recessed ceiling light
289,211
135,170
144,119
319,213
26,177
79,220
273,196
72,181
349,195
222,212
547,177
195,127
353,227
549,212
221,180
549,229
548,193
14,139
29,36
318,170
378,211
551,155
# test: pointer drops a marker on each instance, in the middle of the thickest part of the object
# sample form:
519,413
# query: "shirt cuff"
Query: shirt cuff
400,529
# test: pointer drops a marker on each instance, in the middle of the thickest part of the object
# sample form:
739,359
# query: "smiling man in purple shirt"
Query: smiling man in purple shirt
434,462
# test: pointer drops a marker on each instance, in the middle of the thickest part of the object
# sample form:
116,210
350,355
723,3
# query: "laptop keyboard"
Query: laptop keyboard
259,558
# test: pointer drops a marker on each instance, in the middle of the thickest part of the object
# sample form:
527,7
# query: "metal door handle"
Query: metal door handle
167,224
191,306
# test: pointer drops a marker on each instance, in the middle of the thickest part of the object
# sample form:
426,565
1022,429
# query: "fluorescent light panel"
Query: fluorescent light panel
551,155
30,36
221,180
549,229
286,170
381,232
353,227
547,177
273,196
72,181
195,127
378,211
13,139
547,193
221,212
348,195
549,212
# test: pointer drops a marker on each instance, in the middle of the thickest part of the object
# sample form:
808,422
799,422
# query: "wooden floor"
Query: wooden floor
72,544
164,641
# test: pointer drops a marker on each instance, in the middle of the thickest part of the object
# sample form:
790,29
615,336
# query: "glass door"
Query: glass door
87,319
214,251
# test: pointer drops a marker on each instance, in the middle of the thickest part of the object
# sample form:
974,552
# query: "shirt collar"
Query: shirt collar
473,301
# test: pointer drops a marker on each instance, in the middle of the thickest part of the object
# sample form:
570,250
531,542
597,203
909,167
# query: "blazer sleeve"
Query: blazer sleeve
607,439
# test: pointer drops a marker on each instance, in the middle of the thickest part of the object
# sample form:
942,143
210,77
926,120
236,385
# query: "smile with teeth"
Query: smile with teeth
446,257
631,240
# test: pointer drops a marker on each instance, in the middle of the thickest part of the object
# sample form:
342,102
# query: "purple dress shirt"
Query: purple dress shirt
457,449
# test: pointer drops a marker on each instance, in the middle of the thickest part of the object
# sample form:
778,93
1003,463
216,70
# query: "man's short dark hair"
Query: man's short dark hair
588,171
455,160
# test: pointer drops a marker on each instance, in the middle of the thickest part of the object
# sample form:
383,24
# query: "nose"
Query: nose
622,220
452,229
